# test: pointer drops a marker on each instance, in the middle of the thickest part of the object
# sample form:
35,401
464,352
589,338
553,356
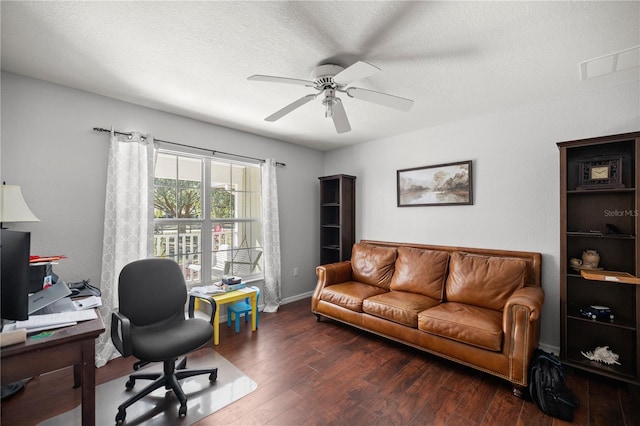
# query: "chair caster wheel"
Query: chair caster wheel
130,384
213,376
182,411
120,416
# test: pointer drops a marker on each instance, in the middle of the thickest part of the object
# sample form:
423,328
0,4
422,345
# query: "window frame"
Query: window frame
206,251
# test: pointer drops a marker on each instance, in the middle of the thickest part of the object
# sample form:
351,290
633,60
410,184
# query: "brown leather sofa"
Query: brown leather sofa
478,307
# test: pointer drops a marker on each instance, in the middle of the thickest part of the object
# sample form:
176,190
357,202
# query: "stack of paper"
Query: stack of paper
50,321
209,289
87,303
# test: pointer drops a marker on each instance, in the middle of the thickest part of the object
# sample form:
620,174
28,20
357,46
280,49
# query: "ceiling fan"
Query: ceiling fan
330,79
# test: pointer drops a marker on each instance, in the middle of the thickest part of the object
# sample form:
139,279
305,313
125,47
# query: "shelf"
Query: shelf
610,276
577,234
331,247
331,225
613,371
600,191
616,322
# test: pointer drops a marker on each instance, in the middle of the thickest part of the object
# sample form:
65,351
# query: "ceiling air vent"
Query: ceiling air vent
610,63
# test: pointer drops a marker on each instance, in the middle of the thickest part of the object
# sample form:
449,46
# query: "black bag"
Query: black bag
548,389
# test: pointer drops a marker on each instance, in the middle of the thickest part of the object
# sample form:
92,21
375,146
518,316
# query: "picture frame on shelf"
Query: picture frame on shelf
438,185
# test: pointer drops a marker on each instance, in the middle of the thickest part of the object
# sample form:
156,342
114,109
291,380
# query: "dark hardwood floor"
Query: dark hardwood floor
325,373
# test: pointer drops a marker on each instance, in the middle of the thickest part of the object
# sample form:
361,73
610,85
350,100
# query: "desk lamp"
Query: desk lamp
14,263
13,208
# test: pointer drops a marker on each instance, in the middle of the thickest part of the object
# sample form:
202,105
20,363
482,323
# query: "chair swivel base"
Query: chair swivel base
169,379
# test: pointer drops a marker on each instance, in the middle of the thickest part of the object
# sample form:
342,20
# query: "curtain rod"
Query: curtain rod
212,151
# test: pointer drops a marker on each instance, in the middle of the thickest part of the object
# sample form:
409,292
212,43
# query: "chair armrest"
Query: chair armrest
329,274
203,297
121,333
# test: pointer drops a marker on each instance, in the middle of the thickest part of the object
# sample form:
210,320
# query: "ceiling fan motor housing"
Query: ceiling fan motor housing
323,76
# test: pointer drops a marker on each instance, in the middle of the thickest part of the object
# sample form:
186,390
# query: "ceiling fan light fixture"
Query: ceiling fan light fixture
328,101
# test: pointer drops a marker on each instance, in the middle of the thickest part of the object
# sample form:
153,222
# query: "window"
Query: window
207,216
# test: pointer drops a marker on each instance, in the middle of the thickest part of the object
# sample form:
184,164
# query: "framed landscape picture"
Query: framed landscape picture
439,185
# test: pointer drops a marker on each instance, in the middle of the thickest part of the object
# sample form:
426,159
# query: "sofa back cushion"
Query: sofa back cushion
484,281
420,271
373,265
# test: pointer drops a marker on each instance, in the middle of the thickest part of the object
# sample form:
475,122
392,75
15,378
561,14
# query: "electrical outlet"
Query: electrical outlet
296,272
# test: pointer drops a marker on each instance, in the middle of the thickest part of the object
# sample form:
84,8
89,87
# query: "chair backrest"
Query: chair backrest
152,291
257,289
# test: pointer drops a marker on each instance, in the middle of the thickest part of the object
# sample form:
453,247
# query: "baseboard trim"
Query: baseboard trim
549,348
296,298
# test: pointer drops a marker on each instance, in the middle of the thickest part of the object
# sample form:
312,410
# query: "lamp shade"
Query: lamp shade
14,208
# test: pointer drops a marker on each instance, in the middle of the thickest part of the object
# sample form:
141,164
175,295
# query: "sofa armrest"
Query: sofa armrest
521,327
530,297
329,274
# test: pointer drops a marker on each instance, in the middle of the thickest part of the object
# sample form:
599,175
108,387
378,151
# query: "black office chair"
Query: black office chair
151,326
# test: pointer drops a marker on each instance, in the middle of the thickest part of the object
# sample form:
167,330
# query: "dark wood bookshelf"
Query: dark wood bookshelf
602,215
337,217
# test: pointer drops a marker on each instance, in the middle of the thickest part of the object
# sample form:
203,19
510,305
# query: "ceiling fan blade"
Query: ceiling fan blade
385,99
286,110
339,116
286,80
355,72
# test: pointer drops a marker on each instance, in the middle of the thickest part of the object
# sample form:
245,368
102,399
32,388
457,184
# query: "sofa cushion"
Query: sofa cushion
484,281
349,294
373,265
465,323
420,271
398,306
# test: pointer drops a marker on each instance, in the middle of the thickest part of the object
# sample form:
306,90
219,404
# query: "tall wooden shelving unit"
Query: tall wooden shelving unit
337,217
585,213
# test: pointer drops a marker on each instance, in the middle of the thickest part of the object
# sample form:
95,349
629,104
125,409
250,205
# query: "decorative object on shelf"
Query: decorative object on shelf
439,185
575,263
612,229
600,173
590,259
602,354
597,312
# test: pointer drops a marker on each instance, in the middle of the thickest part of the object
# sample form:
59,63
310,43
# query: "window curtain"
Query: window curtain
128,221
271,237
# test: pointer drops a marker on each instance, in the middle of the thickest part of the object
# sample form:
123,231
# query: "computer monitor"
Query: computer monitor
14,262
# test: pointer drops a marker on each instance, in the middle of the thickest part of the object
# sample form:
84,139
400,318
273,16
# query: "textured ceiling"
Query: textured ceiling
454,59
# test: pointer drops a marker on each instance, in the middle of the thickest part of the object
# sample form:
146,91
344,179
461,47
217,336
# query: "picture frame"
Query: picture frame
438,185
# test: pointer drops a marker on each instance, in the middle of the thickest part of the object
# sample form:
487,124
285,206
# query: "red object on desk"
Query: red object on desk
35,259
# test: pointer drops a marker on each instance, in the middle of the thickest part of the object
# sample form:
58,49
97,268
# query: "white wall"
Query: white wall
50,150
515,179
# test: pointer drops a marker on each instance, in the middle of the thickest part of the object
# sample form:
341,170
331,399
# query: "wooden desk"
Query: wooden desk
230,297
69,346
